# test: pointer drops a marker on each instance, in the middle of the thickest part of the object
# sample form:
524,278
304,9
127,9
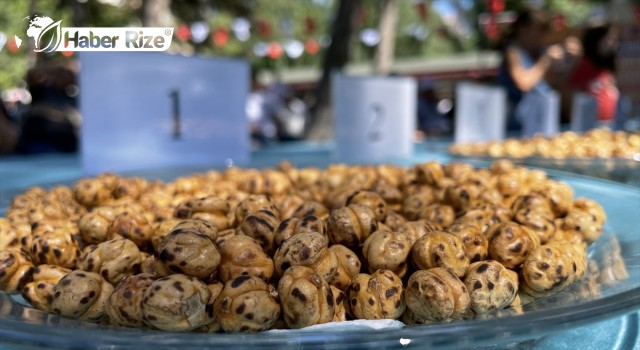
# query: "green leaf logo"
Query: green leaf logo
49,38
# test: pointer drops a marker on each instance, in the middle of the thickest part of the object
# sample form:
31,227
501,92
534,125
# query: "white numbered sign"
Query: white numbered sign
480,113
374,117
153,110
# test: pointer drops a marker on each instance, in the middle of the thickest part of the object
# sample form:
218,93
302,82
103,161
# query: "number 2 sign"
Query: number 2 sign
374,117
154,110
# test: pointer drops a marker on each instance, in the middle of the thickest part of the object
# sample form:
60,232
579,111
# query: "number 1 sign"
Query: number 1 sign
374,117
152,110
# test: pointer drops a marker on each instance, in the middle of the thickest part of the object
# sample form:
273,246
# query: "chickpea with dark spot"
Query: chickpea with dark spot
351,225
113,260
510,243
491,286
305,298
82,295
39,292
190,252
348,266
124,306
376,296
547,269
370,199
304,249
475,244
387,250
242,255
247,304
436,295
440,249
293,226
177,303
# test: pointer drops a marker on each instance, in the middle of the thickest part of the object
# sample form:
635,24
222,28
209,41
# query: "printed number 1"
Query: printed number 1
375,131
175,106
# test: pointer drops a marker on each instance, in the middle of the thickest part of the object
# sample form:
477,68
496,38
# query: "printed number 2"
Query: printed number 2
375,130
175,106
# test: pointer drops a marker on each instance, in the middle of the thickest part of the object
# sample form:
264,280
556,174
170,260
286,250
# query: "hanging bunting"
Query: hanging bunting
370,37
241,29
421,8
220,37
293,48
264,29
495,6
12,46
310,25
491,28
274,51
260,49
312,46
183,32
199,32
66,53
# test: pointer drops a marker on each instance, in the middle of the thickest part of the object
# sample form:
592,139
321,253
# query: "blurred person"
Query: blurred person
52,123
430,120
8,131
526,60
595,73
290,117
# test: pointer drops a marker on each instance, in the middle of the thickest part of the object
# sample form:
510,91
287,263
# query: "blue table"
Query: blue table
17,173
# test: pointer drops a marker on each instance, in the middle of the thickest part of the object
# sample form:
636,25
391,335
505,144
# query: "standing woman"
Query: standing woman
595,74
526,60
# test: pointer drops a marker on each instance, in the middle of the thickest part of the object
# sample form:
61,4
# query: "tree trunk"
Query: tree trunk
157,13
387,29
335,58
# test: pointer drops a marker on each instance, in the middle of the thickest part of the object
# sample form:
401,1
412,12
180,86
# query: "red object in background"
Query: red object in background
66,53
310,25
361,16
12,46
312,46
183,32
559,22
264,29
495,6
274,51
636,10
220,37
492,29
421,7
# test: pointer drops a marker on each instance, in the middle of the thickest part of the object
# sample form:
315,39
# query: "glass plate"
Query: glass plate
616,169
24,327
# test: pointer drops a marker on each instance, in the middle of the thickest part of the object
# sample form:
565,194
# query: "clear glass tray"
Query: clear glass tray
615,169
24,327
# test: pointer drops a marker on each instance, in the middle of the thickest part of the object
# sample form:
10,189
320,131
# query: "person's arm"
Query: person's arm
526,78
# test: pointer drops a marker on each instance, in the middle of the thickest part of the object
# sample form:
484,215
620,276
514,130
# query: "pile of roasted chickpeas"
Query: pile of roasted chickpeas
596,143
247,250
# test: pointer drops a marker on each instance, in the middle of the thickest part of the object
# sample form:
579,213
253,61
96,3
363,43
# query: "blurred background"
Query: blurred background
293,46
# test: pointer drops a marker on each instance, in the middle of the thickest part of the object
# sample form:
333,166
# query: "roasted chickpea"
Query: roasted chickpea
351,225
510,243
491,286
211,209
177,303
243,255
547,269
124,306
387,250
189,252
414,230
57,247
306,299
475,244
16,270
261,226
304,249
538,222
429,173
370,199
340,304
39,292
294,226
311,208
114,260
348,266
436,295
376,296
133,226
247,304
82,295
91,192
440,249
